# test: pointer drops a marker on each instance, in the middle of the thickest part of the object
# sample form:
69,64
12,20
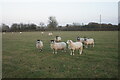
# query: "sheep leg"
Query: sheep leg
65,50
89,45
55,51
93,44
83,46
86,46
40,49
81,50
73,52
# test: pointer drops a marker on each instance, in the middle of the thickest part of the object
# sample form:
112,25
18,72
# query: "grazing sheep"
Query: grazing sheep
88,41
75,46
39,44
50,34
57,46
80,39
20,32
42,32
57,38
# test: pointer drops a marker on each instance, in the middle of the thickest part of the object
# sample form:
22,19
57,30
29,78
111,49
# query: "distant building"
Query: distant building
119,12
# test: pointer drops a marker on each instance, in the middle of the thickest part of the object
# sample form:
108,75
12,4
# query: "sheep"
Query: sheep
42,32
57,46
57,38
80,39
20,32
88,41
50,34
75,46
39,44
3,32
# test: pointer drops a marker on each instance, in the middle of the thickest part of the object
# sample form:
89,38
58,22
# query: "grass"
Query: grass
22,60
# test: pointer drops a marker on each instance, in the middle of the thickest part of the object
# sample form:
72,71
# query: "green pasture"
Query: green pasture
21,59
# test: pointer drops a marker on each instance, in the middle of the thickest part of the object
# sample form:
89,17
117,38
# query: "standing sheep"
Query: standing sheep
57,46
80,39
20,32
50,34
75,46
57,38
39,44
42,33
88,41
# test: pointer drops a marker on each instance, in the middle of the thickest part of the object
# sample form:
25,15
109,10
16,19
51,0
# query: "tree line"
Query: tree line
53,25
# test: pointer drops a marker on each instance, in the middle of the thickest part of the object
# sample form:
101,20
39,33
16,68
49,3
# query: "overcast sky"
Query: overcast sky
65,11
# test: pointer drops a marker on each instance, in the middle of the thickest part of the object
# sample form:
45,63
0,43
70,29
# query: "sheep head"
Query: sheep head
69,41
52,41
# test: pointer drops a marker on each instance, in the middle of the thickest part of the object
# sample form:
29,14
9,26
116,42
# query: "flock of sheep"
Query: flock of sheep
57,44
12,32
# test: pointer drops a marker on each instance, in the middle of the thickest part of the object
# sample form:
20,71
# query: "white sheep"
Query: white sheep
88,41
50,34
39,45
75,46
57,46
57,38
20,32
80,39
42,32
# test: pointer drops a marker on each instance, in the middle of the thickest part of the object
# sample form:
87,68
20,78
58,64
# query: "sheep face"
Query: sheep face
85,39
69,41
52,41
78,38
57,38
38,41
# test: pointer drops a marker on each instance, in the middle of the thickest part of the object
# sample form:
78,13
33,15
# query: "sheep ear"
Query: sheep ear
38,40
67,41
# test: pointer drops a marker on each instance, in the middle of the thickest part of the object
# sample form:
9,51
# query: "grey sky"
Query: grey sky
65,11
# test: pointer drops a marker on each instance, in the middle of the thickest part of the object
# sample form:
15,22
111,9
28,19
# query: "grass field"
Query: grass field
21,59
